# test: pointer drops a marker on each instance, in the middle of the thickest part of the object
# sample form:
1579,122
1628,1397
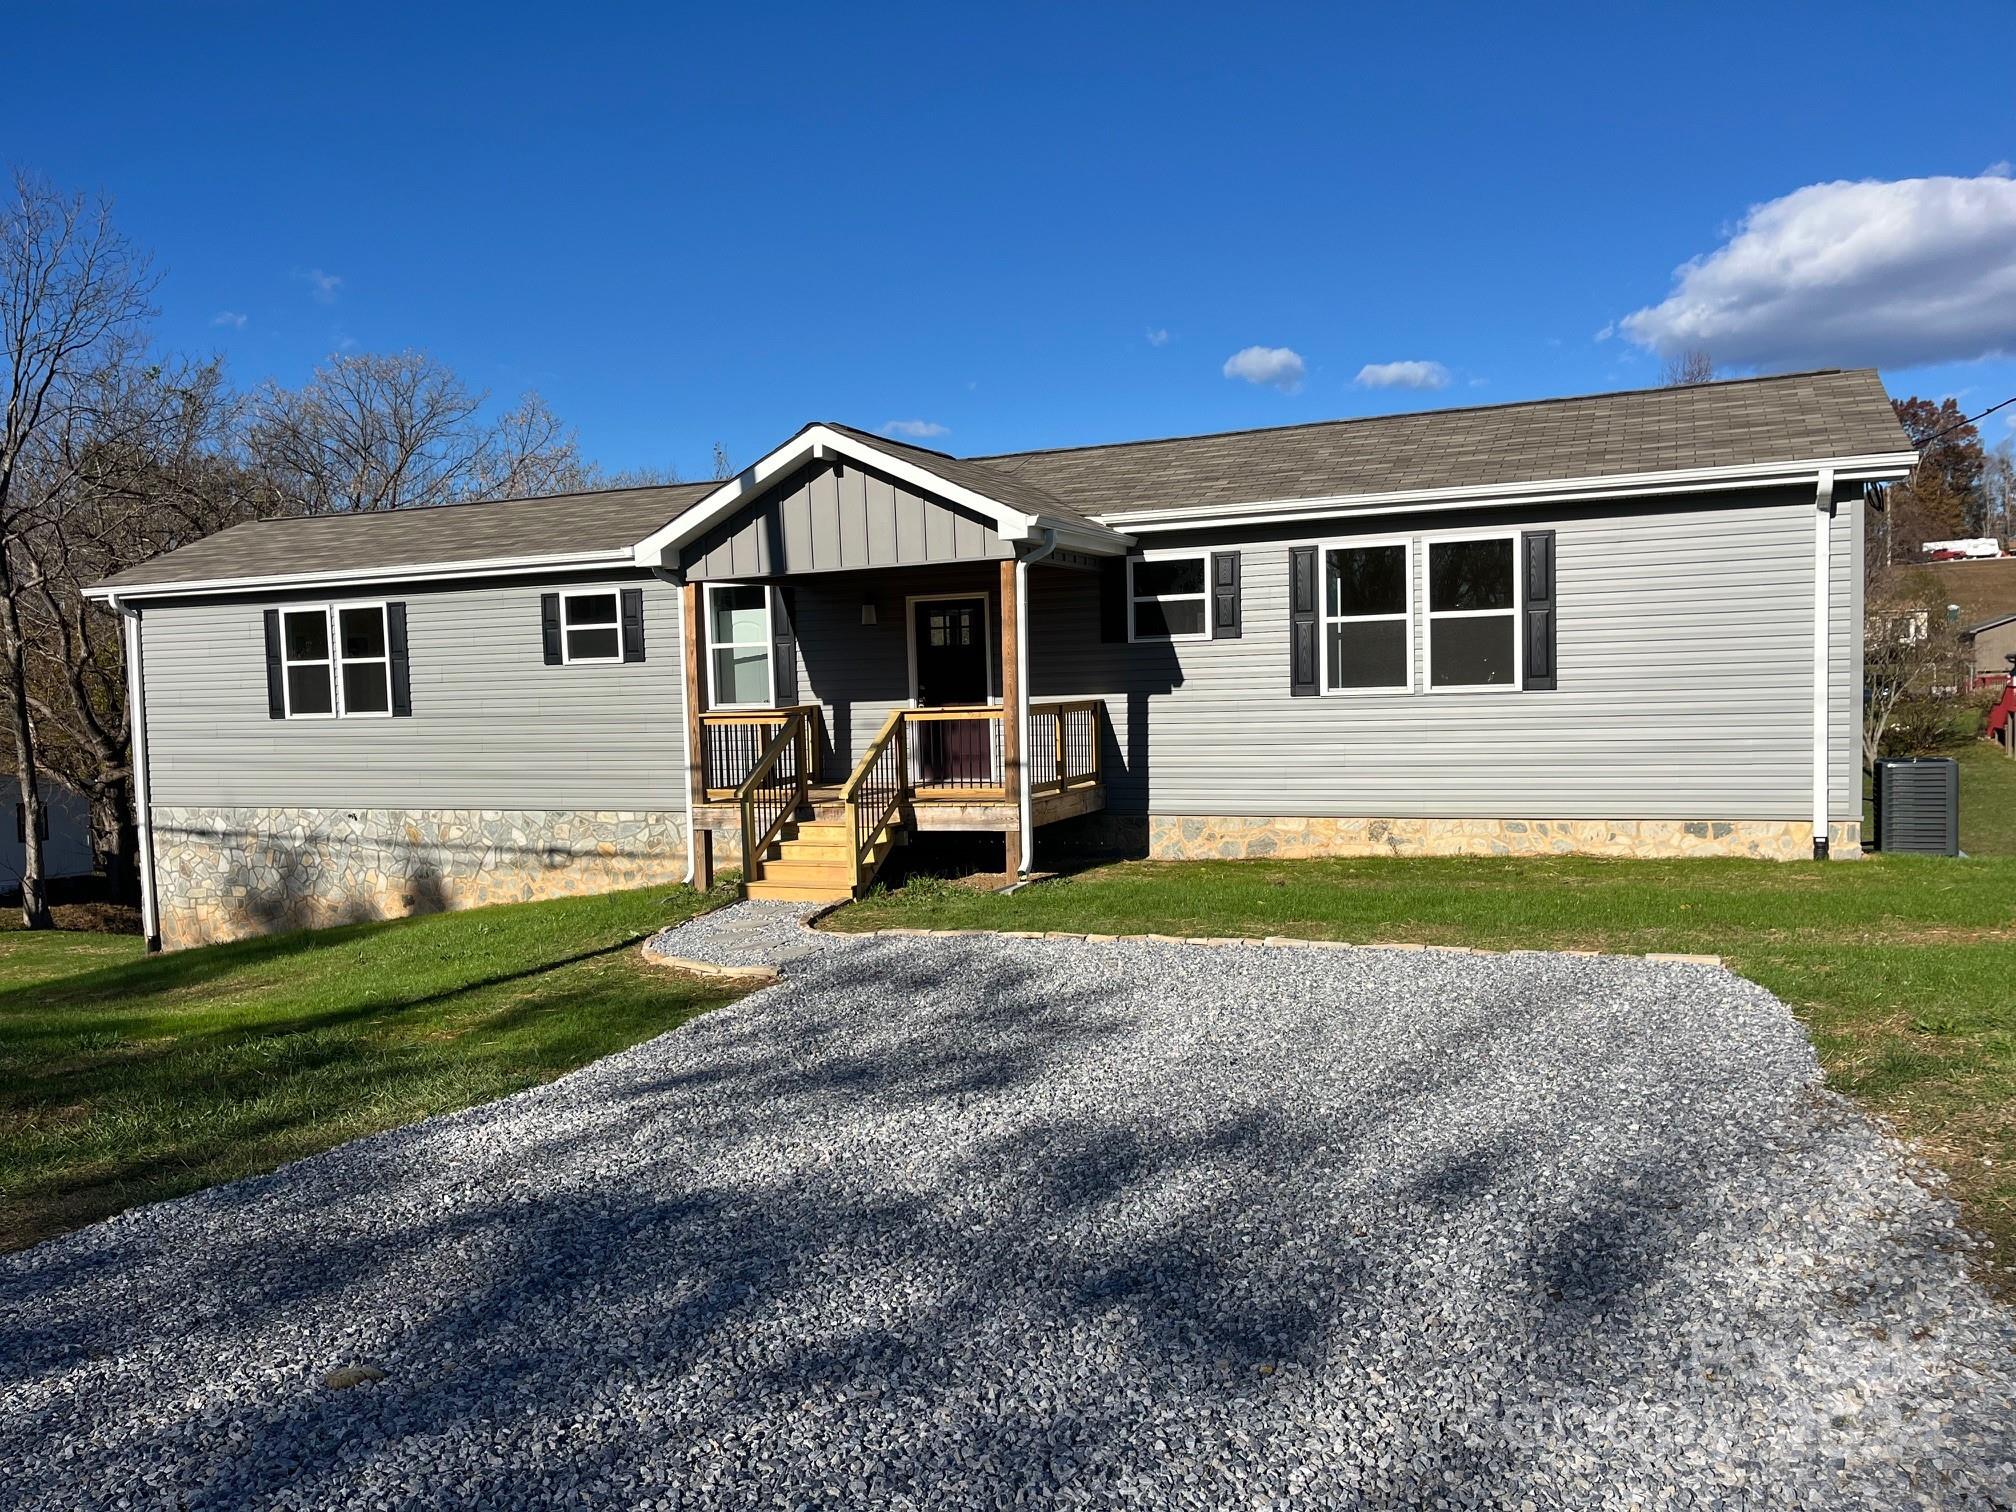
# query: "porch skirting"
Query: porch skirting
226,873
1191,837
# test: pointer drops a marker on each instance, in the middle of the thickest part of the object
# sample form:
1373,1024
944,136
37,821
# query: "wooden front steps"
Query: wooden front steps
812,860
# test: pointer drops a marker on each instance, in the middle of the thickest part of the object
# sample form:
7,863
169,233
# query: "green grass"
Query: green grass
1903,968
126,1079
1987,800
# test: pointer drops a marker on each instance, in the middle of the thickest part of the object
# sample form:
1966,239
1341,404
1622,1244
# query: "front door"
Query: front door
950,637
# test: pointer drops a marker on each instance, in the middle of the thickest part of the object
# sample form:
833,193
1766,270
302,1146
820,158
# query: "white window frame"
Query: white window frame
1169,554
1517,613
567,656
707,592
1325,619
986,599
334,663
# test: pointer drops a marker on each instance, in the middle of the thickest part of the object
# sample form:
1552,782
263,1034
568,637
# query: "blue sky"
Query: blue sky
1041,226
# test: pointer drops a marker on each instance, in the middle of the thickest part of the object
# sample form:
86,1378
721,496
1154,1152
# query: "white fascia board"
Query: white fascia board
819,442
352,576
1863,469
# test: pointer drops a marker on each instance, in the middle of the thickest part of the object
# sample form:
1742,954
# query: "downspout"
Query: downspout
143,794
665,575
1823,515
1026,807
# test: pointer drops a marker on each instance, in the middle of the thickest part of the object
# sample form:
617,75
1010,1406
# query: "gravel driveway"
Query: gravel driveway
973,1222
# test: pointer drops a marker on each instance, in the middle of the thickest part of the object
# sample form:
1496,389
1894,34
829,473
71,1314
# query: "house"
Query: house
1625,624
66,834
1991,650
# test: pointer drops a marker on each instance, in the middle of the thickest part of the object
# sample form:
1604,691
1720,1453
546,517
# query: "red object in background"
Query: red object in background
1947,556
2003,712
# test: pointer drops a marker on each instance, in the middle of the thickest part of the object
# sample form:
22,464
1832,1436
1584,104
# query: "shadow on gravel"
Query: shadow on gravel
900,1198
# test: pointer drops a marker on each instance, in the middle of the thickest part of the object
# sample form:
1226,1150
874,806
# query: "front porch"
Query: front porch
802,796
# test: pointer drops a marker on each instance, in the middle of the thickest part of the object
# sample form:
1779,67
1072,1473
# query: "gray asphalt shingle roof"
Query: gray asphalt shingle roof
1796,417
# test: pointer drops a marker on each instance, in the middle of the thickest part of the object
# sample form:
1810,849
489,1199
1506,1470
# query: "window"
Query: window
738,637
336,659
1473,613
364,656
1166,598
305,663
590,629
1368,621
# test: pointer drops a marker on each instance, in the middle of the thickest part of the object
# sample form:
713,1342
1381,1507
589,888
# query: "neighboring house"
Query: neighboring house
66,834
1990,646
1626,625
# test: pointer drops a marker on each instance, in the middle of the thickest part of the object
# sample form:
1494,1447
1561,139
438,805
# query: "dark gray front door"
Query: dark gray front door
951,640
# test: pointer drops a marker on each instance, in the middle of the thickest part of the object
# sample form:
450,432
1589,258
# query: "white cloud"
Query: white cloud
1413,375
231,318
322,286
1159,336
1278,367
1895,273
916,430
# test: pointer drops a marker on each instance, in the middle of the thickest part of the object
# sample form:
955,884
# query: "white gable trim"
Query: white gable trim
817,442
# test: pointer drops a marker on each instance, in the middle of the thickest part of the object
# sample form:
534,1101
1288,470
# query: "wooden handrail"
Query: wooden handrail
755,790
1072,750
890,727
876,789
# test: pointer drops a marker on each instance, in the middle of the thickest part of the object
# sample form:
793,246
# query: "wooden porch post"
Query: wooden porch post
701,840
1011,733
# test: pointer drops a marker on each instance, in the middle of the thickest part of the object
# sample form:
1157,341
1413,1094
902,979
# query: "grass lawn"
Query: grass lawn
126,1079
1903,968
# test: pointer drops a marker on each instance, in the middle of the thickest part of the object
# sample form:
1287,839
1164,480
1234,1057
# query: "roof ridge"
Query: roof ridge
407,511
1453,409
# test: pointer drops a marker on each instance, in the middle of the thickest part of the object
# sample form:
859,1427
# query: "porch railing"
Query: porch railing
731,743
774,788
874,793
954,752
1063,745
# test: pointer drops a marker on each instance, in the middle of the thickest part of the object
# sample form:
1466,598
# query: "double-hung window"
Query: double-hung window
1166,597
590,626
1368,619
335,660
738,642
1473,612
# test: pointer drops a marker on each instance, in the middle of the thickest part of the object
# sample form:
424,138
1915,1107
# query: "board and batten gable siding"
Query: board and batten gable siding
493,727
839,519
1685,657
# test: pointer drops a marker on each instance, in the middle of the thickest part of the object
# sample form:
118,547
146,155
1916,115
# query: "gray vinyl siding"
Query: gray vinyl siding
1685,654
492,725
857,673
829,519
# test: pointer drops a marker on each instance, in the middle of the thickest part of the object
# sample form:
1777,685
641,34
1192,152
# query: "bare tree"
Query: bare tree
722,471
73,294
1911,651
391,431
1998,482
1688,367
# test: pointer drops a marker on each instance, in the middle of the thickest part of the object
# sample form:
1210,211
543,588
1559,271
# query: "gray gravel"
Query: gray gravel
980,1222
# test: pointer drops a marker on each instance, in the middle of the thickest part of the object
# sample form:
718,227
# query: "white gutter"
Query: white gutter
685,729
143,793
1548,491
367,576
1823,515
1026,806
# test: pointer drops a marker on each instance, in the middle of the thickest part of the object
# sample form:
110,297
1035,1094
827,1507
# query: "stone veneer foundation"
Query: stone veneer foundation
225,873
1197,838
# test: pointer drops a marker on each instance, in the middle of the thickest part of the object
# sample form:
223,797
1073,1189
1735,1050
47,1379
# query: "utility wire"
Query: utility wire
1963,424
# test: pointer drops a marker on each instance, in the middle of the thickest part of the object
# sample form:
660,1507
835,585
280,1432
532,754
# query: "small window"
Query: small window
1473,613
1368,622
364,658
306,664
1166,598
590,627
738,638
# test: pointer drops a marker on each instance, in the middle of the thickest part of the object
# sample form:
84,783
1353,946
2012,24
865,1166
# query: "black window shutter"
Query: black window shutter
395,645
1303,681
1539,547
276,675
1225,595
1112,599
21,822
783,648
633,624
549,625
